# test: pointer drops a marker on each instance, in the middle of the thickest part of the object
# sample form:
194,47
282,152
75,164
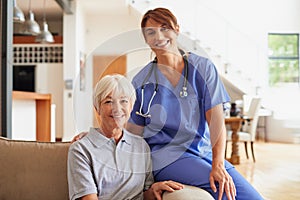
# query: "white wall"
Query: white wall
24,120
101,28
136,60
71,68
49,79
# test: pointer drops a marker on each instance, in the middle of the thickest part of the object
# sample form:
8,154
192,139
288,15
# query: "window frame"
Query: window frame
286,57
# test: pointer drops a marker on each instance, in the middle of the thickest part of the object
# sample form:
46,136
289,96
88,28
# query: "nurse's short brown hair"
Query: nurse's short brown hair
160,15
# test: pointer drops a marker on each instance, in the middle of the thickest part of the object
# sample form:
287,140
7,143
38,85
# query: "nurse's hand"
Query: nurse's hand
79,136
220,175
158,188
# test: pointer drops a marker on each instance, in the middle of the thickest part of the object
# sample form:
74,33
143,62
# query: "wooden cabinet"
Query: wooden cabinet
43,112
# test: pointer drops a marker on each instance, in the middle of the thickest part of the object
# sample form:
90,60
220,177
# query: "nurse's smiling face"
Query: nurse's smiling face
160,37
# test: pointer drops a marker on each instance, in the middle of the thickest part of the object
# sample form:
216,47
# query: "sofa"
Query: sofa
38,170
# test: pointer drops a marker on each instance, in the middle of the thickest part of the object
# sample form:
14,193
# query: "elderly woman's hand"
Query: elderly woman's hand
159,187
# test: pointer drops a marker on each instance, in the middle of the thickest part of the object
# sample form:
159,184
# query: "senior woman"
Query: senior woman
110,162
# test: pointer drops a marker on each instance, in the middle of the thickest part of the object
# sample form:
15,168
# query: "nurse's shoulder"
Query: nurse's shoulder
195,59
201,63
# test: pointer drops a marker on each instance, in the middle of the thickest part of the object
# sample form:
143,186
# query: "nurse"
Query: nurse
179,112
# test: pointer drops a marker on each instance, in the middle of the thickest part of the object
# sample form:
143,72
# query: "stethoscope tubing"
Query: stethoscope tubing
182,93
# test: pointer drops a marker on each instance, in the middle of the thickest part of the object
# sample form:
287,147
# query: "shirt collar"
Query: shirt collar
98,139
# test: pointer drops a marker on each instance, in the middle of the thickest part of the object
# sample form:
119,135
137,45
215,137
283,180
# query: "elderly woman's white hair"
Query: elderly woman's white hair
117,85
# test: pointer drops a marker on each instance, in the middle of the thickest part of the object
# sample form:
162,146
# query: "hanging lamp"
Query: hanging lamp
30,26
18,14
44,36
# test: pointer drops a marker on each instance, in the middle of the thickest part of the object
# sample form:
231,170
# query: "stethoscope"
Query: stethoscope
183,93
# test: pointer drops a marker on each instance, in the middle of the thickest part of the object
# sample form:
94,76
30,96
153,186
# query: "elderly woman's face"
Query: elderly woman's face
114,111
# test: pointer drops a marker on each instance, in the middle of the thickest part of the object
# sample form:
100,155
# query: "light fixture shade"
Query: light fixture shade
30,26
18,15
44,36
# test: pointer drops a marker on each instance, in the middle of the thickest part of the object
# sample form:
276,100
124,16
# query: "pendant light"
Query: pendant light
18,14
44,36
31,27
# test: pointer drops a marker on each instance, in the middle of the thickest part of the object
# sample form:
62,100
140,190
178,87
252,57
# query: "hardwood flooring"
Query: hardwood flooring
276,172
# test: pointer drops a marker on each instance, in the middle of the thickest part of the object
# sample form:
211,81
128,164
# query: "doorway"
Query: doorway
104,65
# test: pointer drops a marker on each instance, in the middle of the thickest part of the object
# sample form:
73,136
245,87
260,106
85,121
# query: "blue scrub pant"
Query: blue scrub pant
195,171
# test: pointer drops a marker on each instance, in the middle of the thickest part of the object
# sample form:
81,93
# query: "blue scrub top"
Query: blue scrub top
177,127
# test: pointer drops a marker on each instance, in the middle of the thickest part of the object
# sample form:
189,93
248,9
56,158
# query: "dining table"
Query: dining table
235,124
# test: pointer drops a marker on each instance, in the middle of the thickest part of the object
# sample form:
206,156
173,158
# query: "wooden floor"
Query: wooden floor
276,172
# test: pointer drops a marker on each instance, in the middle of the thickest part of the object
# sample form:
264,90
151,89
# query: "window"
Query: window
283,59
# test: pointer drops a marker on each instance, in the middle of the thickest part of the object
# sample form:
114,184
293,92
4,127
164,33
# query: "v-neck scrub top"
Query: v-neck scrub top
177,127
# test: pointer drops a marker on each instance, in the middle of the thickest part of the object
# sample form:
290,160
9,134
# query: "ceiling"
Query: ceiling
55,12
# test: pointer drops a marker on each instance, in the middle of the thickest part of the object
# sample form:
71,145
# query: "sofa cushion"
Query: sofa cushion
188,193
33,170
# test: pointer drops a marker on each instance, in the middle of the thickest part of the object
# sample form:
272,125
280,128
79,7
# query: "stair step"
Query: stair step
297,138
292,124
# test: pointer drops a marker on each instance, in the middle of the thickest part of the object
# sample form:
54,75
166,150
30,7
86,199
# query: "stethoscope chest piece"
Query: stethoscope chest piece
183,93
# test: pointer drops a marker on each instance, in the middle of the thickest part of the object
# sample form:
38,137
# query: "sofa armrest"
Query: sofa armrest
33,170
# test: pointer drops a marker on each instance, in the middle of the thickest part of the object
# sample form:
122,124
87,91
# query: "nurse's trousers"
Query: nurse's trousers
195,171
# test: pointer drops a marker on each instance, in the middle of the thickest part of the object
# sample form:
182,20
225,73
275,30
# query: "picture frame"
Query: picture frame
82,73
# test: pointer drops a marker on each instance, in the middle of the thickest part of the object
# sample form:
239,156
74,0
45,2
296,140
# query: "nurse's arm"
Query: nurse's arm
217,129
135,129
215,120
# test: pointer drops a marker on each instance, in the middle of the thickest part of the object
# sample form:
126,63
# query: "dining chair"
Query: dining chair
248,130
